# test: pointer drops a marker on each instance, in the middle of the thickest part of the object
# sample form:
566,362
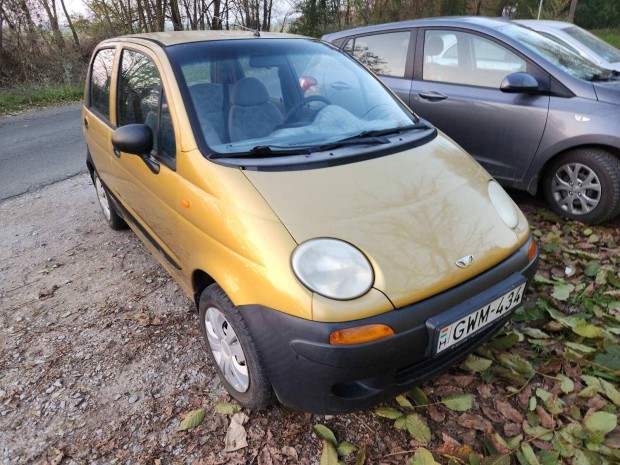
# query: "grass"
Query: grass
609,35
16,99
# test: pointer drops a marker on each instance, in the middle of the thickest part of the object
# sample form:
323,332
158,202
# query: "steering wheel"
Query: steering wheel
292,114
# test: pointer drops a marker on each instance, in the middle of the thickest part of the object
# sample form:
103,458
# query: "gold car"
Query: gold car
339,248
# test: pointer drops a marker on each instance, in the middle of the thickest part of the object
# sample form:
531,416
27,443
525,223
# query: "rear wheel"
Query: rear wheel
107,207
584,185
232,350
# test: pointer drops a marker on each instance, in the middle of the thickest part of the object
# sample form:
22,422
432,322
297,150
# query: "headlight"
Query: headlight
504,206
333,268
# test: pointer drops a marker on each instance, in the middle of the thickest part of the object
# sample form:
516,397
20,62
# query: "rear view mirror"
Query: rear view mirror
519,82
133,138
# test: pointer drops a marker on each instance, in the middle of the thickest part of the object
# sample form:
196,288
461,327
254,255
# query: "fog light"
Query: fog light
532,251
360,334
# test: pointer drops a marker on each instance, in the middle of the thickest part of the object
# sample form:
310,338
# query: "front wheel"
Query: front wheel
232,350
584,185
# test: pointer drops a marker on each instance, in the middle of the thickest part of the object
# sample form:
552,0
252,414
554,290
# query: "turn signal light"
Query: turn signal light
360,334
531,252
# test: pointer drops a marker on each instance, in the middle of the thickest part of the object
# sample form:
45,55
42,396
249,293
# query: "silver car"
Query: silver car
581,41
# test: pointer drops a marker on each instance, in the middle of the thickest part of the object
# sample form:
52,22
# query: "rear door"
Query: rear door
148,189
387,54
456,83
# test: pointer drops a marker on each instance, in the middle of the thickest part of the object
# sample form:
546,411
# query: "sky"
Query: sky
75,6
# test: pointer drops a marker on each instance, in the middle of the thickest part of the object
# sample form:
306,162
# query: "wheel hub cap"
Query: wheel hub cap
102,197
576,189
227,349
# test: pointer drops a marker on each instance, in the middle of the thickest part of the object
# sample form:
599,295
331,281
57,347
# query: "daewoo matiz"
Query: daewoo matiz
339,248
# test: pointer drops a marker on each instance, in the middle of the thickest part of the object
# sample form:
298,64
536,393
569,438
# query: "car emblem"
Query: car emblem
465,261
582,119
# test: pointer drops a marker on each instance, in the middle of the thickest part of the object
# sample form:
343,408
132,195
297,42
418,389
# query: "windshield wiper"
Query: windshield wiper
387,132
264,151
372,137
600,77
355,140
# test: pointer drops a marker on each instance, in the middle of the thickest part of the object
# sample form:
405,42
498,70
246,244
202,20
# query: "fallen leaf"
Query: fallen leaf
236,436
506,409
422,456
469,420
227,408
460,452
345,448
192,419
417,428
458,402
388,412
326,434
329,456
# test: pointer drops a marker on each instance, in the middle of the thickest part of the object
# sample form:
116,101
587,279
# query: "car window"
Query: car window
558,55
140,97
383,54
463,58
100,75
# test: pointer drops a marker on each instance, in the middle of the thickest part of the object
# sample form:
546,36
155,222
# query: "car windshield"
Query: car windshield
554,52
601,48
281,95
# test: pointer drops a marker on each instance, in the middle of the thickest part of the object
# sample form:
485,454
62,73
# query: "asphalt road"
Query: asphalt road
39,147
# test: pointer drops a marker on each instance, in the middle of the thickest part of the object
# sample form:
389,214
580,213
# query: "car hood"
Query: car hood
608,91
413,214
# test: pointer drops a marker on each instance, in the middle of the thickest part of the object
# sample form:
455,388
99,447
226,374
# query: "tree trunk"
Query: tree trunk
175,15
571,12
217,18
76,41
50,9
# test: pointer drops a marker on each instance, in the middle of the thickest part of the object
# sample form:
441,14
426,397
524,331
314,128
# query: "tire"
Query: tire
218,317
565,190
107,207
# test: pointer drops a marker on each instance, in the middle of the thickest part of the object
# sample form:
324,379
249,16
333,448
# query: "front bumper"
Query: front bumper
309,374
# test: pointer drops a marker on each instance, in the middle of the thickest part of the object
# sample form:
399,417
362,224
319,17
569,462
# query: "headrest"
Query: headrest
434,46
249,91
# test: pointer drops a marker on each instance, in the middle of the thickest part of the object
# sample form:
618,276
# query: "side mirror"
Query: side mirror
133,138
519,82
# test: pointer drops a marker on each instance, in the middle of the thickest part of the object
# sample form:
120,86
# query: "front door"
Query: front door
456,84
148,190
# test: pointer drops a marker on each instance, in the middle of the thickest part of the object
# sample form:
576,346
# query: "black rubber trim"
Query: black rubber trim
309,374
129,217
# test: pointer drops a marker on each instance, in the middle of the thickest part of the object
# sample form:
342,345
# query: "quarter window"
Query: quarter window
462,58
141,100
100,77
383,54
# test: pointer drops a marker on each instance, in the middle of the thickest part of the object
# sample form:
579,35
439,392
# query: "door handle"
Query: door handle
85,123
432,95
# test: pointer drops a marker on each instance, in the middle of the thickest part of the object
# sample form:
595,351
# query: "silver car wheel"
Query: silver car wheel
576,188
103,198
226,349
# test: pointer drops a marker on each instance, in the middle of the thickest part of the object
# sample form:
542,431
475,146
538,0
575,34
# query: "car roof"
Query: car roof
447,21
548,24
166,39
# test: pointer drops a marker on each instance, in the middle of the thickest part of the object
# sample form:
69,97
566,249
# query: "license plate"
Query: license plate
460,330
